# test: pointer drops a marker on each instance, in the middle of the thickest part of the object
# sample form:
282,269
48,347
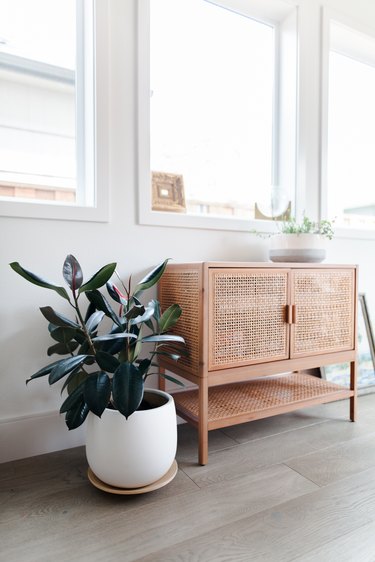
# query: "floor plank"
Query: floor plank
285,533
299,488
187,449
182,516
336,462
355,546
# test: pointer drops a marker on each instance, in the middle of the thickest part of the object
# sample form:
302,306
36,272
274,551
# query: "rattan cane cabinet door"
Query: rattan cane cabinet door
324,319
246,322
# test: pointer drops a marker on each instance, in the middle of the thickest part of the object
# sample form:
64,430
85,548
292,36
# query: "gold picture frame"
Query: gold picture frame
168,192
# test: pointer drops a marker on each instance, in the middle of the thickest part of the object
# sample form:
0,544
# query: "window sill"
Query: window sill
55,211
182,220
354,233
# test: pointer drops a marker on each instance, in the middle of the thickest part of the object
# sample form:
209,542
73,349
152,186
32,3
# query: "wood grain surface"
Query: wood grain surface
293,488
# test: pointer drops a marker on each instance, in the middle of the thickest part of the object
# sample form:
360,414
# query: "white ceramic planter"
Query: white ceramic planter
297,248
133,452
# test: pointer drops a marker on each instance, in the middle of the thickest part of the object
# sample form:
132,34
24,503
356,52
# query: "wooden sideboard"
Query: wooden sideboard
250,329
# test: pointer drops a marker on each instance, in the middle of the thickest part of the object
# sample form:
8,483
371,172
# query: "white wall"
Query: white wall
29,423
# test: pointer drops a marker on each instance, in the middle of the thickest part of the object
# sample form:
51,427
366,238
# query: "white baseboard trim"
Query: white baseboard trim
36,434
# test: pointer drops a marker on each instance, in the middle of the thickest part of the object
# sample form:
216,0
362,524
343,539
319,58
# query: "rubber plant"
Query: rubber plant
104,368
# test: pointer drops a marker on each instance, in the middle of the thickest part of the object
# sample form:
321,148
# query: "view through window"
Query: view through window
212,109
40,141
351,129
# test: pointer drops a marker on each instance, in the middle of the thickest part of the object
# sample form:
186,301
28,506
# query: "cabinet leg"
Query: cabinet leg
161,380
353,386
203,421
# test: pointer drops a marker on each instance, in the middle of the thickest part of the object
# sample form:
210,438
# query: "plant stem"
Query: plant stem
82,322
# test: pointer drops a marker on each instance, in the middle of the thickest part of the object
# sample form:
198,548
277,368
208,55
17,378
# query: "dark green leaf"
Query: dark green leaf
146,316
172,379
97,392
45,371
169,317
150,325
65,366
64,335
127,388
101,303
143,365
56,318
106,361
134,349
112,347
109,337
32,278
84,348
163,338
72,398
151,278
116,294
99,279
94,321
72,272
157,312
63,348
90,310
135,311
73,380
76,415
173,356
80,337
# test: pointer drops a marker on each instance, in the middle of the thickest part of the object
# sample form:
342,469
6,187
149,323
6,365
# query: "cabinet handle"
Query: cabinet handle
288,314
294,314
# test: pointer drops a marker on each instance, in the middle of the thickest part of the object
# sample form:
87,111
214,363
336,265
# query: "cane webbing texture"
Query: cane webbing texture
255,396
247,321
325,310
182,287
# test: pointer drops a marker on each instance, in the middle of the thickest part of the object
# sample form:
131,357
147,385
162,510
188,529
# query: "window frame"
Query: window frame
272,13
329,15
98,125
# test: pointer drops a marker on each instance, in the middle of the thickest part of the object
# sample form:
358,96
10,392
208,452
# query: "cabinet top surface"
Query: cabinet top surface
265,264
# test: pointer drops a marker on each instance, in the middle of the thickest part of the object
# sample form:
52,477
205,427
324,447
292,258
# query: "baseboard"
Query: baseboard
37,434
27,436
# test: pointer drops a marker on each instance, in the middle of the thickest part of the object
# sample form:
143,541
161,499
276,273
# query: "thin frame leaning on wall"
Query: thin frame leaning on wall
366,354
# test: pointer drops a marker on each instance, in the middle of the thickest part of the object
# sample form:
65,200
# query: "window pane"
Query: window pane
212,98
39,140
351,141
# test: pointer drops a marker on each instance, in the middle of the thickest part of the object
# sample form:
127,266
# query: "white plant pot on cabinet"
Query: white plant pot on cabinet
297,248
134,452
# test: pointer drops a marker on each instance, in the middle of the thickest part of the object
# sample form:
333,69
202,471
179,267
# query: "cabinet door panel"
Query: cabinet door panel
324,304
247,316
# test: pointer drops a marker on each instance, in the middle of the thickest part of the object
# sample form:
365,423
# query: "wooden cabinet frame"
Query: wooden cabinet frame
311,313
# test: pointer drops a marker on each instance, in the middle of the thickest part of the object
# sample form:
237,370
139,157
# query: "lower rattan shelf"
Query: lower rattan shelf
240,402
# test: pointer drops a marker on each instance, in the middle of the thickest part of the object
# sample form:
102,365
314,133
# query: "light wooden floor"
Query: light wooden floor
297,487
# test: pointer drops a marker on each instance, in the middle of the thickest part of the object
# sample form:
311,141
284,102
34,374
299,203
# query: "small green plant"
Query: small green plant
104,367
307,226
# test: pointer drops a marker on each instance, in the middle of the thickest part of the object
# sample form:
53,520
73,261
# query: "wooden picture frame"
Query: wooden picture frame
340,373
168,192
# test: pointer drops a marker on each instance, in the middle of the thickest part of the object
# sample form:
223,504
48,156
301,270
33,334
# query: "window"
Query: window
350,172
221,82
47,107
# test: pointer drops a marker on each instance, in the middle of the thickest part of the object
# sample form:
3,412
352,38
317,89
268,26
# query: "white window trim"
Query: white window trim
329,15
272,12
100,211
